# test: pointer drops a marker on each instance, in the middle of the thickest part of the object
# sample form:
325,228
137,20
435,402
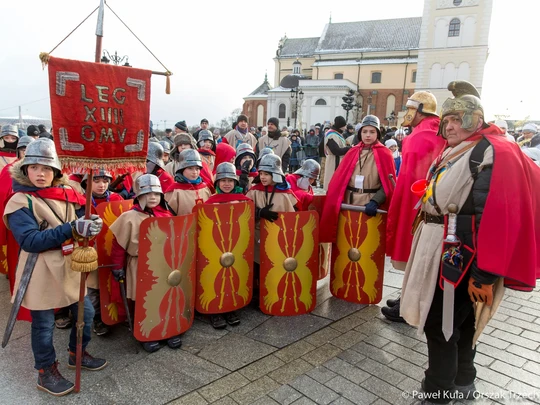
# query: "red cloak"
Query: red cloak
165,179
338,185
224,153
208,177
508,242
186,186
226,198
419,149
304,197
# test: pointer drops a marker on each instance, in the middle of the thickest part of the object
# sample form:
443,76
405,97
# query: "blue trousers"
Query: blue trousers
42,333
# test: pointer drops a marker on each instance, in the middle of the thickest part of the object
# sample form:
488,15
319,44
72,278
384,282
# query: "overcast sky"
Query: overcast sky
219,51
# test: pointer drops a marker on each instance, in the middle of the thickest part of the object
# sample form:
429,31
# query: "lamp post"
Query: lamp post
391,118
296,94
349,102
369,100
117,60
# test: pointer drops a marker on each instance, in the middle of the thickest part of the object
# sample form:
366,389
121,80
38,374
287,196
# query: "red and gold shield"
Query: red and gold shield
224,256
112,307
324,248
289,260
358,258
165,278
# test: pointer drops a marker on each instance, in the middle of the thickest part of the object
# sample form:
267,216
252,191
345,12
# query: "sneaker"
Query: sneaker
100,328
63,322
50,380
393,302
231,318
392,314
217,321
174,342
88,362
151,347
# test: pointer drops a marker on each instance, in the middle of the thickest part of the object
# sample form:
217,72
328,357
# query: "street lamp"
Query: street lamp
369,100
391,118
117,60
296,94
349,102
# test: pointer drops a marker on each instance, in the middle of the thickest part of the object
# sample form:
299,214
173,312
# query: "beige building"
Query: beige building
381,62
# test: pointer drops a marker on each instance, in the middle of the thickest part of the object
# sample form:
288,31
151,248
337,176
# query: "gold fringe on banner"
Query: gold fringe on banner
72,164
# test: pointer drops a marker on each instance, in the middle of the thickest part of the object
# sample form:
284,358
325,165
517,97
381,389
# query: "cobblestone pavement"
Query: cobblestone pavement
339,354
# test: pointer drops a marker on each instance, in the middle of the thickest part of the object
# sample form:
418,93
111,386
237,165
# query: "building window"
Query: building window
338,75
282,111
455,26
457,2
413,79
376,77
320,101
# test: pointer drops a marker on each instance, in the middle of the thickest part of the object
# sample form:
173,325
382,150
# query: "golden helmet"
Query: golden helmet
421,101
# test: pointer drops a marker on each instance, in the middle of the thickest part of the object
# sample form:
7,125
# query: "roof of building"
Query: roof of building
358,36
263,88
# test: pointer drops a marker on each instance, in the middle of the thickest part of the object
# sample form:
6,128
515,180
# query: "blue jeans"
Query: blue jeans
42,333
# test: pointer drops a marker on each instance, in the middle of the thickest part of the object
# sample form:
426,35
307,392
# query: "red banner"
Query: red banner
100,114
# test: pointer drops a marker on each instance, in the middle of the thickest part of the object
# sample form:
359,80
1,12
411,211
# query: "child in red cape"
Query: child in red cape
301,182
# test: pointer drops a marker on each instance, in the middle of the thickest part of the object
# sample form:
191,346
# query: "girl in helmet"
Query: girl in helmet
149,202
301,182
189,188
245,166
8,145
45,215
207,148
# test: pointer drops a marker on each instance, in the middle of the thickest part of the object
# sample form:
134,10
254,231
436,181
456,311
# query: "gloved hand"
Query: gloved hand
267,214
480,292
371,208
88,227
246,166
119,274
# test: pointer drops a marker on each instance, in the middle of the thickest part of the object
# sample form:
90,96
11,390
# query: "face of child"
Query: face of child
184,146
100,185
10,138
207,145
226,185
192,172
166,158
369,135
266,178
40,176
245,159
152,199
393,148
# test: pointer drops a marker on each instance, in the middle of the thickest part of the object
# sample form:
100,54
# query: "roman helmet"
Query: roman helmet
166,147
42,152
225,170
155,154
24,141
188,158
243,150
205,135
465,103
10,130
421,101
97,174
370,121
263,153
310,168
147,183
271,163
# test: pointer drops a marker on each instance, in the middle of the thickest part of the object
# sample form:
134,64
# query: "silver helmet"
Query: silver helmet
263,153
205,135
372,121
147,183
42,152
188,158
242,150
24,141
271,163
10,130
166,146
97,173
310,168
155,154
225,170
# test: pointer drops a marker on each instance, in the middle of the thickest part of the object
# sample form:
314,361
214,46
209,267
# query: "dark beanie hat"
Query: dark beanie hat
181,125
204,120
339,122
242,117
274,121
32,130
168,131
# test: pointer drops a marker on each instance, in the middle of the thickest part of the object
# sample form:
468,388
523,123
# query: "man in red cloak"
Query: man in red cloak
418,152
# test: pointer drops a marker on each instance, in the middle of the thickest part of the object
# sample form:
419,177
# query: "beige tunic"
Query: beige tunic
183,201
331,159
6,160
126,230
172,167
53,283
452,187
279,146
371,178
234,136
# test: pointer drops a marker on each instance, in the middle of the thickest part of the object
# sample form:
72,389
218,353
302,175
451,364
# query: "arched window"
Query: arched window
320,101
282,111
455,25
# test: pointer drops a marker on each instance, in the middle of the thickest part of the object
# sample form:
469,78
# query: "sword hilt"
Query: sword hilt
452,224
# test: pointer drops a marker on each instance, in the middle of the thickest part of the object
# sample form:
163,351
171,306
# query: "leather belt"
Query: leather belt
433,219
363,190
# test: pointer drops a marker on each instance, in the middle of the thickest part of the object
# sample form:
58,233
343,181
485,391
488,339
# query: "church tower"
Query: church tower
453,44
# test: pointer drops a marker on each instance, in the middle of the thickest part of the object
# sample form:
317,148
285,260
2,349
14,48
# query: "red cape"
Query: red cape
224,153
165,179
338,185
226,198
269,189
186,186
304,197
419,149
508,243
208,177
59,194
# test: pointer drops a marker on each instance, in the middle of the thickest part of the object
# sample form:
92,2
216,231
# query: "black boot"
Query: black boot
174,342
50,380
393,302
231,318
99,327
88,362
151,347
392,313
217,321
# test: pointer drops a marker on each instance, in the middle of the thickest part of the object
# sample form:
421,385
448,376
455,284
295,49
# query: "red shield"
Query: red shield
289,263
324,248
112,307
224,257
358,258
165,278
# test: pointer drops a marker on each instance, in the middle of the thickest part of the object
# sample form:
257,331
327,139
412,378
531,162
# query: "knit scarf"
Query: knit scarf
181,179
242,131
